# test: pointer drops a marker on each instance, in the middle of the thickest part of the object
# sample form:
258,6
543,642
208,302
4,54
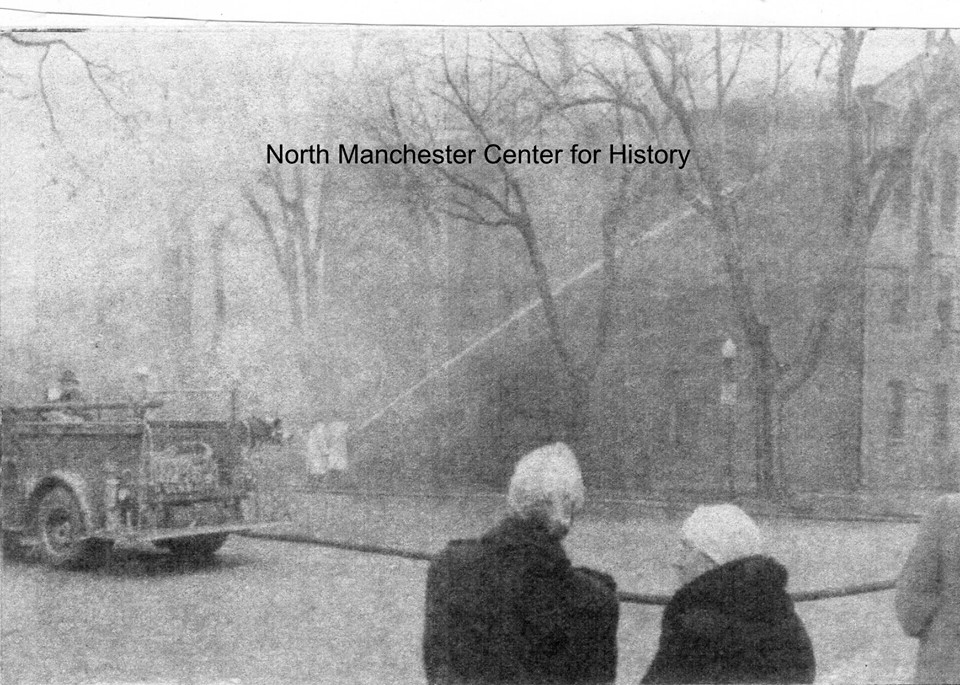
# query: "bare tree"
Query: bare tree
101,76
217,247
680,77
297,231
874,167
500,96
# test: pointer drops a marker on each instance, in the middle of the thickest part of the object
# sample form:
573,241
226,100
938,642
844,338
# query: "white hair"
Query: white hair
547,482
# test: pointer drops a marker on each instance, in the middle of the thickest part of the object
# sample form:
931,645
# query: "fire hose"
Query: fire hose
625,597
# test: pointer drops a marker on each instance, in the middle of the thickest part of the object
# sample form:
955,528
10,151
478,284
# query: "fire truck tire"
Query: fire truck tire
60,528
196,547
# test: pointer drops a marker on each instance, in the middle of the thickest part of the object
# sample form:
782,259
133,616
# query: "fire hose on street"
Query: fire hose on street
625,597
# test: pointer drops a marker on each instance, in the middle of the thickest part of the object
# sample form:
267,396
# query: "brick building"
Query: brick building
911,409
657,422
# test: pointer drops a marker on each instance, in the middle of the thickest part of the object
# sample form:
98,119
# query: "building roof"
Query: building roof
934,71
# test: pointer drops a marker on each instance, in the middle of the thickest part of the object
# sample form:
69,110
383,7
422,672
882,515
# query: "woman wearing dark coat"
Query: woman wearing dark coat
509,607
732,621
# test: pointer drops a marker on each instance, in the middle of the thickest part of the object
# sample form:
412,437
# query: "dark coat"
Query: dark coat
733,624
928,593
510,608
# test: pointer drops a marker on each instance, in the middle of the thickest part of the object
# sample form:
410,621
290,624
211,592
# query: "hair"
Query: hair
547,484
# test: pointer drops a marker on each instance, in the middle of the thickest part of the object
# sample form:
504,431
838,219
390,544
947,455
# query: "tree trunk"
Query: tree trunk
853,226
434,265
765,380
219,289
577,415
851,455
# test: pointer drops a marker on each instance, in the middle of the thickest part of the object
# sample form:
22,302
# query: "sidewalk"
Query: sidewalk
866,505
887,505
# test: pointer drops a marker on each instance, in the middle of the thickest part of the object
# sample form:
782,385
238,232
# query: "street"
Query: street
278,612
261,612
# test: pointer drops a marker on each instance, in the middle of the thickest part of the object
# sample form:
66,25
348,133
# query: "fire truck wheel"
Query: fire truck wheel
60,527
196,547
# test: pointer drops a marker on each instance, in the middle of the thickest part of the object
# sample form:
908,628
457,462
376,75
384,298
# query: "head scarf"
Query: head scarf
723,532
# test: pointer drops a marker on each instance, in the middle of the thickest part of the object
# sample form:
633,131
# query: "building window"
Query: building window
944,324
948,196
897,409
941,413
924,229
926,199
681,419
899,297
944,321
901,201
456,420
682,428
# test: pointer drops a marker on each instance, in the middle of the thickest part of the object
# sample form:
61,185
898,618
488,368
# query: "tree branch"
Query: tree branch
93,69
267,228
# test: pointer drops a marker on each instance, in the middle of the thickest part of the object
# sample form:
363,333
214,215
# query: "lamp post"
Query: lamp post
728,400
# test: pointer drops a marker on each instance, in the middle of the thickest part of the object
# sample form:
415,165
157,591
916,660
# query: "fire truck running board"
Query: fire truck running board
157,534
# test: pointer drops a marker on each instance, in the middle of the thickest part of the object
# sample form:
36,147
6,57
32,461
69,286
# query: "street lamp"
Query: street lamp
728,400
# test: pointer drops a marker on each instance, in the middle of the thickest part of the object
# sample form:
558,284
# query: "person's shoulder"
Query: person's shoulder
603,581
467,575
594,591
462,545
459,552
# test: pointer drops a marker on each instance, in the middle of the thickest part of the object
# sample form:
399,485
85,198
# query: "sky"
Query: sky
28,153
917,13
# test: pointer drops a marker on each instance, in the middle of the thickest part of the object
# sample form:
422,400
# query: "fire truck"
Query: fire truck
78,478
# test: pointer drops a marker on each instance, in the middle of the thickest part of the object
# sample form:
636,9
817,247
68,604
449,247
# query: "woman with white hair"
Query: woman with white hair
509,607
732,620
